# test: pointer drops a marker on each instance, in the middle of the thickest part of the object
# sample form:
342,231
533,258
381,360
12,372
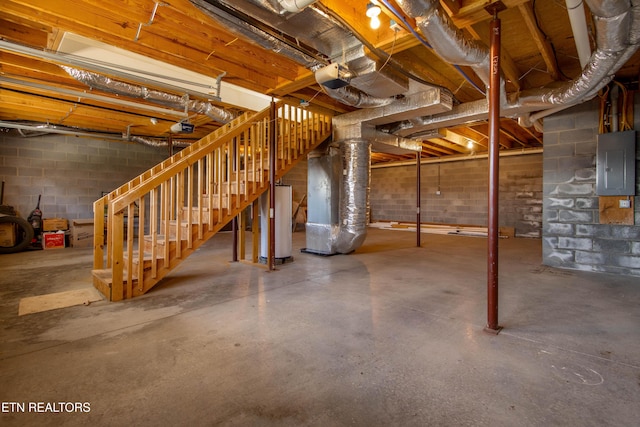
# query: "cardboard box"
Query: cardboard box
54,224
53,240
7,235
82,233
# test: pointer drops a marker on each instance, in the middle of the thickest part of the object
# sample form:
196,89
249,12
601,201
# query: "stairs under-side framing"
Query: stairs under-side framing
148,226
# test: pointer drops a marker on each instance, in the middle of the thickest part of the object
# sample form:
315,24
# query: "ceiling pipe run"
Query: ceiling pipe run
617,24
96,97
578,21
370,86
448,41
356,98
294,6
33,129
110,85
221,12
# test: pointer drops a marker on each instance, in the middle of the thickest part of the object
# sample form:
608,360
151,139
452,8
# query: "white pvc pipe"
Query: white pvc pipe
578,21
295,5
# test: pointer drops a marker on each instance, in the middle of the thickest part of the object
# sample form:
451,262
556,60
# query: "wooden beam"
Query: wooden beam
526,9
453,145
109,27
473,11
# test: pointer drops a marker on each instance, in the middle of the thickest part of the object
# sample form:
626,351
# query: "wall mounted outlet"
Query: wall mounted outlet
437,192
624,203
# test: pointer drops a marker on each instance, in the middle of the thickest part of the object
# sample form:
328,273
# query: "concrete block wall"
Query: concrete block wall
463,193
69,172
572,234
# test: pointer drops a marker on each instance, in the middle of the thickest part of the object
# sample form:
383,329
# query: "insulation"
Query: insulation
155,142
356,98
354,195
338,197
617,36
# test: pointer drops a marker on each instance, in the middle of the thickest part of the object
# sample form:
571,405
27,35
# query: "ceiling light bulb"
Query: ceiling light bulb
372,10
375,22
469,144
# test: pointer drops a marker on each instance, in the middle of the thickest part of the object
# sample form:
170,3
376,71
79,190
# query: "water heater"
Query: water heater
283,233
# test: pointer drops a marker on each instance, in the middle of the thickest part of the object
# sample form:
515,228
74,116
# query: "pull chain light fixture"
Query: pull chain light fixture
372,12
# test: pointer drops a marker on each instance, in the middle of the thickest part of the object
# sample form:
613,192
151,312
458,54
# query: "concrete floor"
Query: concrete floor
389,335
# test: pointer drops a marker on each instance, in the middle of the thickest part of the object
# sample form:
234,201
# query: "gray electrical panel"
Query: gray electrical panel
616,164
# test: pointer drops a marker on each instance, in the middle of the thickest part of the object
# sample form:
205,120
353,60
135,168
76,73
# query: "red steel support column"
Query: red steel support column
418,198
272,187
494,160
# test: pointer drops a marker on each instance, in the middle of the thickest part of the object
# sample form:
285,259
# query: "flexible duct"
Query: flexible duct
449,42
356,98
618,35
33,129
110,85
154,142
370,87
617,40
338,197
354,195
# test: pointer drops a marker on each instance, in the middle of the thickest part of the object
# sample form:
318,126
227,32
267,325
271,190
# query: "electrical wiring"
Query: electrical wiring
603,95
624,114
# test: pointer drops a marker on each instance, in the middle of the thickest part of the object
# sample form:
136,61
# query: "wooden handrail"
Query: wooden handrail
187,198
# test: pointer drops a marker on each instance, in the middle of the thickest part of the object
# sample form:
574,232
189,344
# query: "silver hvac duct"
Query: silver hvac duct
613,49
617,29
356,98
156,143
261,37
371,86
110,85
338,197
447,41
29,129
354,195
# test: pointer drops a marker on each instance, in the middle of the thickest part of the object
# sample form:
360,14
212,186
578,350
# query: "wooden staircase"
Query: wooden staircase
148,226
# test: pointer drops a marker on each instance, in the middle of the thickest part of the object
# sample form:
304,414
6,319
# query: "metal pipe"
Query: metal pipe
96,97
614,108
418,199
272,186
494,160
107,84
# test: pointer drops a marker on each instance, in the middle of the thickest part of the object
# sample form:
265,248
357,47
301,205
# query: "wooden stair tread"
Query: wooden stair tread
220,196
106,275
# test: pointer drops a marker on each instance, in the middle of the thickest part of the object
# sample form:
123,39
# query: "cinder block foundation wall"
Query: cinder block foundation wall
572,234
69,172
463,193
